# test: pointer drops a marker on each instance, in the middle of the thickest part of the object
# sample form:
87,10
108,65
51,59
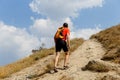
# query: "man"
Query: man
63,43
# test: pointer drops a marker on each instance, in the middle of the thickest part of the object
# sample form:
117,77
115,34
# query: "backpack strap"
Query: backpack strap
58,34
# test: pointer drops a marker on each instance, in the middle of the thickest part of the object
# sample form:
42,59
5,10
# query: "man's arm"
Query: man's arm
68,40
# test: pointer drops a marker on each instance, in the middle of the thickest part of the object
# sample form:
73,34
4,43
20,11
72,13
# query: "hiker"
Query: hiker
62,41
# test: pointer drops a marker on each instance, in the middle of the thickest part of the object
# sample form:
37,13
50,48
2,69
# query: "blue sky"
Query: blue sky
26,24
107,16
15,12
18,13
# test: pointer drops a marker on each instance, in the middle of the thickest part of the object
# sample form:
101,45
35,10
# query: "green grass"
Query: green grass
9,69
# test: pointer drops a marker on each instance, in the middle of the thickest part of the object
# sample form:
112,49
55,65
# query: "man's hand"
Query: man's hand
69,46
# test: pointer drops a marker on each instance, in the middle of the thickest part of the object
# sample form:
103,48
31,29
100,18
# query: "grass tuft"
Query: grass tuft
96,66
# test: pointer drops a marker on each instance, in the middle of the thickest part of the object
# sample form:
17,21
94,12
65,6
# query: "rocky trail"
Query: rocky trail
90,50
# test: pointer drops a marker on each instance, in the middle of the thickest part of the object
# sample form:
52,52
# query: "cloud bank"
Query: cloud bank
85,33
15,43
60,9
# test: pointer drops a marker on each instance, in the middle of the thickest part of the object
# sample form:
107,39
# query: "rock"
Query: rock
96,66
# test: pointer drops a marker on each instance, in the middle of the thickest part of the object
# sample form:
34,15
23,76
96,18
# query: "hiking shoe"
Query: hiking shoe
65,67
55,70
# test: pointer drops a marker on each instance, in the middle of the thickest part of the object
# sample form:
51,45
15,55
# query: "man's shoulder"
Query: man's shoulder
67,29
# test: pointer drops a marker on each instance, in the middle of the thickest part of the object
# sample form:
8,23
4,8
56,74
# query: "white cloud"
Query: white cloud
15,43
85,33
57,12
42,27
45,29
60,9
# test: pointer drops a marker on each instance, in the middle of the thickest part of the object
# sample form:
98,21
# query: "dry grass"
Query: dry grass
7,70
109,77
110,38
64,77
96,66
23,63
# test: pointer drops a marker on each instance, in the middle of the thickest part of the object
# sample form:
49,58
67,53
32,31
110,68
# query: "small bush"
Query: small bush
111,54
96,66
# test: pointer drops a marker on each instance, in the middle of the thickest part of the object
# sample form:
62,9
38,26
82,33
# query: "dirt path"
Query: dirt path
89,50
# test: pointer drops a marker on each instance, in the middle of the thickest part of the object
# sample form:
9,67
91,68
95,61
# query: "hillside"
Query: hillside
110,39
89,50
95,59
85,64
35,58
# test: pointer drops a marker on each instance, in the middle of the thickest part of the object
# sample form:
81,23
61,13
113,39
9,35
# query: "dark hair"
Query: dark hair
65,25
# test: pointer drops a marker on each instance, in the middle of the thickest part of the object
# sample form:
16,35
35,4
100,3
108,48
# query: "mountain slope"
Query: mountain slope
6,71
89,50
110,39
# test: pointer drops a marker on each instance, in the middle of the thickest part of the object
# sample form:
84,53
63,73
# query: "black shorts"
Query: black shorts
61,44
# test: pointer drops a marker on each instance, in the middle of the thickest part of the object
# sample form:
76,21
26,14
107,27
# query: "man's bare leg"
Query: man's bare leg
56,59
66,58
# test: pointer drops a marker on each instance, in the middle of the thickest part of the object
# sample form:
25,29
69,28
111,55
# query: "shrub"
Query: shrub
96,66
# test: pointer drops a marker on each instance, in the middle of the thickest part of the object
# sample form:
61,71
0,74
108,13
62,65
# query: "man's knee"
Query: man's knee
57,53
